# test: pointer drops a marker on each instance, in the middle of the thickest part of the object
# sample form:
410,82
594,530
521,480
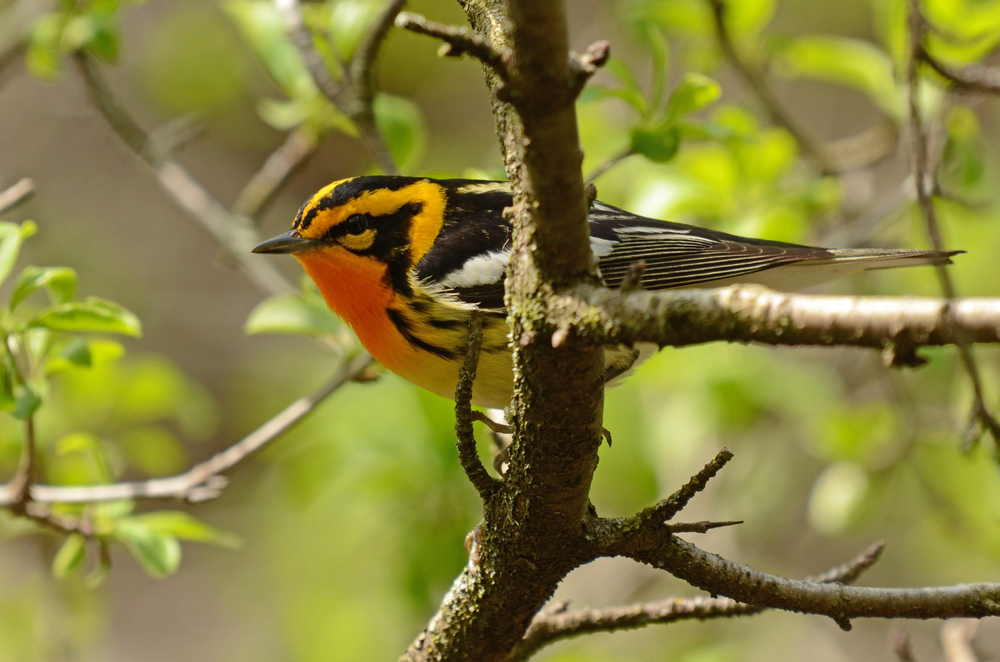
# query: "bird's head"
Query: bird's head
390,220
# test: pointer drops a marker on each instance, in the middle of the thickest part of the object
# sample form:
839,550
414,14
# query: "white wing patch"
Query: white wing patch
481,270
602,247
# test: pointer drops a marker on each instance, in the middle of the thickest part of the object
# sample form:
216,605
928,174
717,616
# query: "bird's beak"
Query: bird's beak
290,242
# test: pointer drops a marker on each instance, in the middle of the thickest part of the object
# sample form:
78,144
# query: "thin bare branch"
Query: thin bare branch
20,485
236,233
610,163
956,640
899,637
16,194
755,80
550,626
720,576
897,325
467,454
362,65
667,509
699,527
924,177
458,41
204,480
299,145
352,94
973,78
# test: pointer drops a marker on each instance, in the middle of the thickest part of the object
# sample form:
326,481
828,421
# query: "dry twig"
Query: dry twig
924,177
353,94
204,480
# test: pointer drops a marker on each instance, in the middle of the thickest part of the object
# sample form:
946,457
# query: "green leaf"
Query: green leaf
59,281
179,524
632,92
90,314
401,123
593,93
26,402
693,93
7,400
79,458
263,27
158,554
11,238
101,570
70,556
292,313
850,62
658,144
77,352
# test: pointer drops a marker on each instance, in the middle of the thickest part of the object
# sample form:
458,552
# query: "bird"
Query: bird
404,261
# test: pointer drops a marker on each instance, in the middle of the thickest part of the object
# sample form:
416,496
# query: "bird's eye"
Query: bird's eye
356,224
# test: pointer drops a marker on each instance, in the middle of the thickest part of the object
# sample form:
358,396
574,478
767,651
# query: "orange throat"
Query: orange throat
355,289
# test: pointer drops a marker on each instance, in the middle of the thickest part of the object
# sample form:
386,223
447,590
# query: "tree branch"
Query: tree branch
458,41
237,234
755,80
925,182
973,78
16,194
353,93
720,576
204,480
750,313
549,627
299,145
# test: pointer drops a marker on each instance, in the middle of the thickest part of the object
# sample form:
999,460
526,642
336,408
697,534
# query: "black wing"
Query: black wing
678,255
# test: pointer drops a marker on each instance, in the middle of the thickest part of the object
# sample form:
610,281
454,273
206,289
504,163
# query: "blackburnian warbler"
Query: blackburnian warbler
404,260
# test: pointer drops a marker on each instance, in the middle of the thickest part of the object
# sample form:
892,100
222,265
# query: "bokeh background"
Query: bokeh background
352,525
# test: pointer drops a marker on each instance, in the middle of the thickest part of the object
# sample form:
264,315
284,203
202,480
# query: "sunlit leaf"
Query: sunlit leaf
59,281
836,496
401,123
851,62
26,401
593,93
11,238
693,93
79,458
158,554
263,27
183,526
292,313
658,144
70,556
90,314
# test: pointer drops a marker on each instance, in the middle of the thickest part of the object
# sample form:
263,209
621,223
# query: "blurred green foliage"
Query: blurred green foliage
355,522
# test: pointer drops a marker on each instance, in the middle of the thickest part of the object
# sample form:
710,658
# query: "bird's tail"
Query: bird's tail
890,258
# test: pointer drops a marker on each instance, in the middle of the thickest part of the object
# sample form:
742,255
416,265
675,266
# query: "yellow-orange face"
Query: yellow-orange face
358,239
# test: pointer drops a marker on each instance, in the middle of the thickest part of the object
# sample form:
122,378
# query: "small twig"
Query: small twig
924,178
610,163
763,91
464,415
204,480
16,194
352,94
299,145
586,65
236,233
973,78
665,510
494,426
556,624
458,41
20,485
900,639
956,640
633,277
699,527
362,63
